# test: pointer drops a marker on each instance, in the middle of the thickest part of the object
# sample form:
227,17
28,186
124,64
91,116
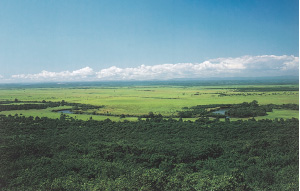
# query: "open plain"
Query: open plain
134,101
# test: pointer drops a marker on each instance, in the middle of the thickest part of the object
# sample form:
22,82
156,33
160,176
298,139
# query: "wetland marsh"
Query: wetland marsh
134,101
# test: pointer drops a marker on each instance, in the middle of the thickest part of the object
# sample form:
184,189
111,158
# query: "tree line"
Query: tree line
9,105
243,110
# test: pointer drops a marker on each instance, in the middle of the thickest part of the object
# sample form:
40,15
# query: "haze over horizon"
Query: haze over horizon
43,41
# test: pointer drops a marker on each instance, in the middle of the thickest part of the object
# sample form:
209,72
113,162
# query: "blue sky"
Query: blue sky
65,38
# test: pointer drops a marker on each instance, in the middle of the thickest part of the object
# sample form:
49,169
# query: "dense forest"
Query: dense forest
153,154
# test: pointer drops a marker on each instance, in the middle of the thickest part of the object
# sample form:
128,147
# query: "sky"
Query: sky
94,40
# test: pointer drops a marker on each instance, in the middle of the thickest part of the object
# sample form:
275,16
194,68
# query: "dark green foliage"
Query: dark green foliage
284,106
246,109
243,110
52,154
22,107
153,117
201,111
43,105
193,112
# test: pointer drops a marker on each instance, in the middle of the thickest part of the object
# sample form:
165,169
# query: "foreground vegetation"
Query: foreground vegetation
60,154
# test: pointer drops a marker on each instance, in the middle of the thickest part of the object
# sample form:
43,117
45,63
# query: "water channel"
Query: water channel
67,111
221,111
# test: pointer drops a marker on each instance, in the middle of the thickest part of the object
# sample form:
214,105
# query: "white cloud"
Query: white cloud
1,76
245,66
291,65
64,75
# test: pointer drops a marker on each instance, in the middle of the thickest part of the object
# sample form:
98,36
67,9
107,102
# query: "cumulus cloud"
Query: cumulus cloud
64,75
245,66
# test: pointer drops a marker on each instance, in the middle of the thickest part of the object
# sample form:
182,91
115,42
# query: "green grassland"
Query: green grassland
140,100
278,113
53,115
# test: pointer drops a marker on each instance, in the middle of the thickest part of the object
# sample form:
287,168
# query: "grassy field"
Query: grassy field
53,115
140,100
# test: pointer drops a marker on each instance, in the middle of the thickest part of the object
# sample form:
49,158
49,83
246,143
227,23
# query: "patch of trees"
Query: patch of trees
68,154
27,106
245,109
22,107
153,117
192,112
43,105
284,106
201,111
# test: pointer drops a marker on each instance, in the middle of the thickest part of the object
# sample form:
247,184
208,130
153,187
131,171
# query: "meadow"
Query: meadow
167,100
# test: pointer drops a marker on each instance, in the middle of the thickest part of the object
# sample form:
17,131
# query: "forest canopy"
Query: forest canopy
60,154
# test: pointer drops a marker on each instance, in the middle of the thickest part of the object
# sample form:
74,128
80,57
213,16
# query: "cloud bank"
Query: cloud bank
65,75
245,66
